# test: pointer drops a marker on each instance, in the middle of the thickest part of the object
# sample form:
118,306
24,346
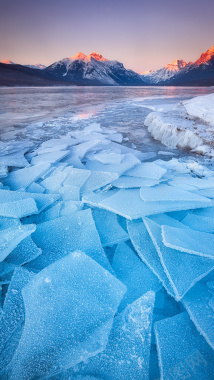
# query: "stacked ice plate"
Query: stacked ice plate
106,263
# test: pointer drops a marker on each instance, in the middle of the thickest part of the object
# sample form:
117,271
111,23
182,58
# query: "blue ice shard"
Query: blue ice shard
197,303
128,162
183,352
12,321
132,271
108,227
12,236
145,248
58,237
199,223
188,240
19,208
127,353
97,180
25,252
182,269
147,170
22,178
69,307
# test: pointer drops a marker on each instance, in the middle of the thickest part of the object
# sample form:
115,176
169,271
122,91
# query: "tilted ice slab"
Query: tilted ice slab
14,159
197,303
182,269
128,350
199,223
97,180
51,157
128,182
70,193
134,273
13,316
190,241
55,179
56,143
147,170
128,162
108,157
164,192
145,248
22,178
42,200
75,289
77,177
183,352
128,203
12,236
25,251
35,188
108,227
58,237
209,193
193,182
19,208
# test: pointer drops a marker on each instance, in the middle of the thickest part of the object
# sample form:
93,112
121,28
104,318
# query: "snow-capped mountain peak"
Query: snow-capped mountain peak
97,56
205,57
79,56
176,65
86,58
94,69
165,73
7,62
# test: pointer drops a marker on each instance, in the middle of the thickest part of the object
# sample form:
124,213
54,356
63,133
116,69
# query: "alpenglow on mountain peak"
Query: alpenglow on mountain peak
176,65
83,57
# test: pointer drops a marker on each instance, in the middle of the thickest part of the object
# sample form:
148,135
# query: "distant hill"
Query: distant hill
18,75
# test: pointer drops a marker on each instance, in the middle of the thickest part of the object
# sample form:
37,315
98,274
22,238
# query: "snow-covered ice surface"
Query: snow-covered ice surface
106,250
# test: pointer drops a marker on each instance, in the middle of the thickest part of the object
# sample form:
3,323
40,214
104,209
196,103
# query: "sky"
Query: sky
141,34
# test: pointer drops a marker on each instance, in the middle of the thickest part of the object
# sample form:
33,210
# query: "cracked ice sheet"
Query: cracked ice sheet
18,209
97,180
127,353
15,159
25,251
165,192
145,248
190,241
198,303
182,269
58,237
134,273
74,288
12,320
183,352
12,236
147,170
42,200
108,227
131,182
199,223
128,203
22,178
51,157
128,162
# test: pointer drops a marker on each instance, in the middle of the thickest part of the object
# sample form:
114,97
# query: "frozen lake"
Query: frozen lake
36,114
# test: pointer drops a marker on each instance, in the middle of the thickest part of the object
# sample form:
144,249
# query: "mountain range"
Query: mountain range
181,73
95,70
